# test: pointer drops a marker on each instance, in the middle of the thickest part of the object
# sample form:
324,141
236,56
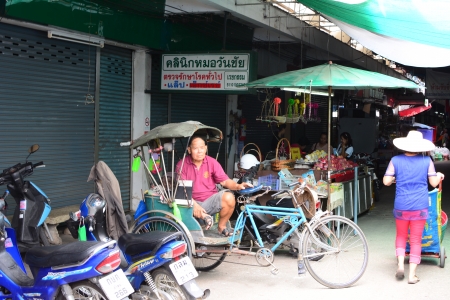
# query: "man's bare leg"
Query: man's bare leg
228,203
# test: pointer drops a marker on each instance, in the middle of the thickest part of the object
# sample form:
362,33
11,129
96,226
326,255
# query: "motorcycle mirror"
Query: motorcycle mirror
33,148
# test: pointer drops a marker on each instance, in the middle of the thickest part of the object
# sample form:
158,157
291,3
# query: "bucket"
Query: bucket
444,221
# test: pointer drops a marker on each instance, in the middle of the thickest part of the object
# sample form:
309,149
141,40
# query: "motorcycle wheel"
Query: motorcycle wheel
206,261
84,290
165,282
43,237
162,224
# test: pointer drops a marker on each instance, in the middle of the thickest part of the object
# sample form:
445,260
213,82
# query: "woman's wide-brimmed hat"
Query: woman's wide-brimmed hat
414,142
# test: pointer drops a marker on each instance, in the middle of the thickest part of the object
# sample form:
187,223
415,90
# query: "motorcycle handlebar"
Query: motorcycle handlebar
24,170
39,164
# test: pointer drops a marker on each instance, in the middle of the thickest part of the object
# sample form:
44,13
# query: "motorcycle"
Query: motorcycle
371,162
32,204
59,272
154,259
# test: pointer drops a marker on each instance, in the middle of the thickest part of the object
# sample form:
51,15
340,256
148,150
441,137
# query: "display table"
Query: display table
364,191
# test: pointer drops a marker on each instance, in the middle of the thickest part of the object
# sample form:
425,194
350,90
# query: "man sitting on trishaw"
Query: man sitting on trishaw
206,172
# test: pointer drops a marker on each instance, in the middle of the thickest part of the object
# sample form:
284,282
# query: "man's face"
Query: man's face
323,139
197,149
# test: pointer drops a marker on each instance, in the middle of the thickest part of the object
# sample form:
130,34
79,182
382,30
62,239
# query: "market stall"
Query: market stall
350,195
332,76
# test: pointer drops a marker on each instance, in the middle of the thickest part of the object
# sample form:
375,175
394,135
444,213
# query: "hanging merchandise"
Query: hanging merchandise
275,111
242,134
154,164
271,110
276,102
296,107
291,117
316,113
242,129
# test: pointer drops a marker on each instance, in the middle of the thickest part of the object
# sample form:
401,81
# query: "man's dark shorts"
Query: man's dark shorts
213,204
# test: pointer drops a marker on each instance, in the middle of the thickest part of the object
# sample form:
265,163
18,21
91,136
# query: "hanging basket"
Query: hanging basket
279,119
277,164
258,156
292,119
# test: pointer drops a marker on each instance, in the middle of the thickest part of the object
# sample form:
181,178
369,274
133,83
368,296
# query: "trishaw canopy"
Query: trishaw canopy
178,130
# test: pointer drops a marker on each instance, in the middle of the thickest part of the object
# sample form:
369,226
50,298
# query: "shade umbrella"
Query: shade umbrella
409,112
331,76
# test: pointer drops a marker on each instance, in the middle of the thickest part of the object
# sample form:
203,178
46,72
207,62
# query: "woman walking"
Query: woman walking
411,172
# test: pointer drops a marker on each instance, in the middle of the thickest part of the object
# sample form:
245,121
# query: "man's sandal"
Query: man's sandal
227,232
209,222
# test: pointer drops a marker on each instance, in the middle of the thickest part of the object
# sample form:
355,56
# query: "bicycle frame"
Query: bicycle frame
293,216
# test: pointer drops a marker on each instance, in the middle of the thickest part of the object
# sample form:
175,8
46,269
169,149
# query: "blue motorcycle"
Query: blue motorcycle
152,260
67,271
32,204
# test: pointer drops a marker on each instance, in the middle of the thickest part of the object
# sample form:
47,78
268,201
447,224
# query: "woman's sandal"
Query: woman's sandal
400,274
414,281
209,222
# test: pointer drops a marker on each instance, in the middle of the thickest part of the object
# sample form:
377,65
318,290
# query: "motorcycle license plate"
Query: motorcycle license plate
183,270
116,285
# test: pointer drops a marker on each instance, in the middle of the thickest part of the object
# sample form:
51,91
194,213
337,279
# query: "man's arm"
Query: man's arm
233,185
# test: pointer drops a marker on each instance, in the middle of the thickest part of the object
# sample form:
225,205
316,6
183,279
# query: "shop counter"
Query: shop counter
364,197
364,201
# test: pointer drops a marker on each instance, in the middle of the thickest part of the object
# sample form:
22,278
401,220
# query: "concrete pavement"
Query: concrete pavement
239,277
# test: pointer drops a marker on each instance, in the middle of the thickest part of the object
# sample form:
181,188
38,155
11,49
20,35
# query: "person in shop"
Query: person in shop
303,143
443,138
411,171
345,148
277,136
321,144
206,172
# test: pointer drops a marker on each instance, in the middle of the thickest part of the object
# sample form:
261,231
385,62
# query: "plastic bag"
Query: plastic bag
82,231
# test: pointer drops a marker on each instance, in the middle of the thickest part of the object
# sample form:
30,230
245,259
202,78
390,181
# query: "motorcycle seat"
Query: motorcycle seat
66,254
135,243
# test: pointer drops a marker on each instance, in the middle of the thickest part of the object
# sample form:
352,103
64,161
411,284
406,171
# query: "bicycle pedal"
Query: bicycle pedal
275,271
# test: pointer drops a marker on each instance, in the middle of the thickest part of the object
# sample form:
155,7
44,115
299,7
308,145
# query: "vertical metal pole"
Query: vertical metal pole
97,104
329,148
224,41
355,197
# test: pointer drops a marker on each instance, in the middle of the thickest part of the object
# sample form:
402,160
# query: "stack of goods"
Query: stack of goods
315,156
337,163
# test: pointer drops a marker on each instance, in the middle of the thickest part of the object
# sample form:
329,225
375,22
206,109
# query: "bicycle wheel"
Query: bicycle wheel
165,281
206,261
162,224
342,248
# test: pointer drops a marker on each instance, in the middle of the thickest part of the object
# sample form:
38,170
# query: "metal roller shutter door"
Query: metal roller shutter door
208,109
115,114
44,83
159,102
